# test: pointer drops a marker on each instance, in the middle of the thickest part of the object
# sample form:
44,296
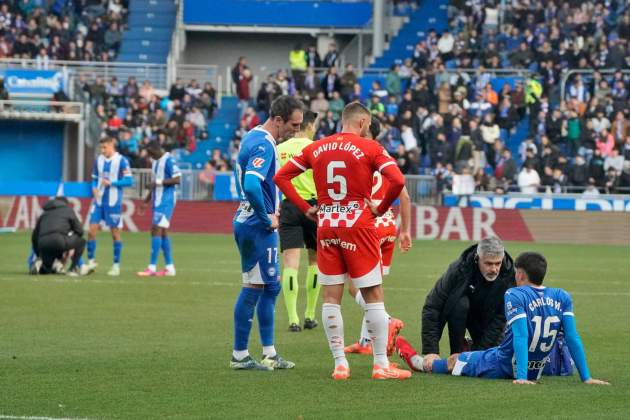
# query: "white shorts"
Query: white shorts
373,278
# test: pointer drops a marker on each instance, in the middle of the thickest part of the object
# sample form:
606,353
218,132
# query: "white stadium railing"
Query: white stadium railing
154,73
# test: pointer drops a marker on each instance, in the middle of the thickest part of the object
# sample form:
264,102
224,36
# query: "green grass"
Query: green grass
132,348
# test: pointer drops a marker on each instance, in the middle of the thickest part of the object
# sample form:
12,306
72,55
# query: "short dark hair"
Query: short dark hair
375,127
354,108
107,139
284,106
309,118
154,145
534,265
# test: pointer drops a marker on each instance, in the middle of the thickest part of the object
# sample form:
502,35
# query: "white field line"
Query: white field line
3,416
236,283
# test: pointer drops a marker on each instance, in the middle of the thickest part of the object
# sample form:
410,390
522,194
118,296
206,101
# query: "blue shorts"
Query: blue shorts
480,364
162,216
259,253
111,216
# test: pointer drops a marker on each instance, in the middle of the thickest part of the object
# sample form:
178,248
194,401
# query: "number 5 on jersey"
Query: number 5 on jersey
336,179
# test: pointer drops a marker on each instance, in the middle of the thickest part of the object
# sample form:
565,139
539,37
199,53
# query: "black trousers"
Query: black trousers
53,246
458,322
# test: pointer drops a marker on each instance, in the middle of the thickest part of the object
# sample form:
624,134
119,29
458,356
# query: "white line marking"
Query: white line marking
2,416
237,283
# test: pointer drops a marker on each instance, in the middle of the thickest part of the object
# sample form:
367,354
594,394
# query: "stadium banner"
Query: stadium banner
427,222
32,83
476,223
606,203
21,212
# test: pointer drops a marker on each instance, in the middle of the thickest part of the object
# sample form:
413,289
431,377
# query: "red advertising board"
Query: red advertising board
21,212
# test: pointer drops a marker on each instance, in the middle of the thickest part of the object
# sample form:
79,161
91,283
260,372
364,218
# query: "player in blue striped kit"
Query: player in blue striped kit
255,232
535,315
110,174
163,196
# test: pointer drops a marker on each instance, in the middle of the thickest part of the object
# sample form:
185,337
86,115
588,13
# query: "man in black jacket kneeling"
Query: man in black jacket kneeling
469,296
58,233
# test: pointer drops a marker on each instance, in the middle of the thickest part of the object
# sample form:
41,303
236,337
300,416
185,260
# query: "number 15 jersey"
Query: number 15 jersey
544,309
343,166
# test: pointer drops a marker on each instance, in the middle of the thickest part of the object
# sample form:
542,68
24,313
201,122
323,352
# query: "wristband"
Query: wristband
158,182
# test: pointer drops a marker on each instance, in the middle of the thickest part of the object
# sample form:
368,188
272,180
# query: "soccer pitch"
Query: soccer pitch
135,348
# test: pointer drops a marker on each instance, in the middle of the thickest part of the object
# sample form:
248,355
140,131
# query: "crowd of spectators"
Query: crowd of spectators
136,114
442,120
44,30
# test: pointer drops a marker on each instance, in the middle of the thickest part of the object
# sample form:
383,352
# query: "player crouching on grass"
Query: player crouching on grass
347,242
163,196
535,315
386,229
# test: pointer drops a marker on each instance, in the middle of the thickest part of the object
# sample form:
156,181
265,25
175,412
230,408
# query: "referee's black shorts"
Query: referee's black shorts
296,230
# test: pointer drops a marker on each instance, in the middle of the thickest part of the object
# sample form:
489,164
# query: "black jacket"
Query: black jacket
59,218
451,287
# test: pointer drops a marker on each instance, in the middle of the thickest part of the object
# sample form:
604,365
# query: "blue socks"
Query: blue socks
244,316
440,366
91,248
166,249
117,249
266,312
156,244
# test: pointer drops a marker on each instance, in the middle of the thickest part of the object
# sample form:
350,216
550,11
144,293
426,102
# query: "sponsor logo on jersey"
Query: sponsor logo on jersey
338,208
258,162
338,242
388,239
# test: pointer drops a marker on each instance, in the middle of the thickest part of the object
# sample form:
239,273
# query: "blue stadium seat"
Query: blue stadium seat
430,15
151,24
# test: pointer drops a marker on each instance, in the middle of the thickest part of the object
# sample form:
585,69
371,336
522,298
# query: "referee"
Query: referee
296,231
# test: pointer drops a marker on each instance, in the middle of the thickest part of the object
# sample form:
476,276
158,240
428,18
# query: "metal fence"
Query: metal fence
41,110
422,189
190,188
154,73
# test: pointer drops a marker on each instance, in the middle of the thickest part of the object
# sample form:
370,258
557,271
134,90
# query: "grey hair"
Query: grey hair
491,247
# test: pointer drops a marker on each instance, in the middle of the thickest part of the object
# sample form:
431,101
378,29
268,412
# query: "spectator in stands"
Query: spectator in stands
347,82
241,77
312,57
332,56
298,64
320,105
331,82
623,183
614,160
250,119
528,180
578,174
393,82
336,105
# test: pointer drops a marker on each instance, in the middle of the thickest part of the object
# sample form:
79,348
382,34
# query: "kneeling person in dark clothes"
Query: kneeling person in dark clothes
469,296
58,233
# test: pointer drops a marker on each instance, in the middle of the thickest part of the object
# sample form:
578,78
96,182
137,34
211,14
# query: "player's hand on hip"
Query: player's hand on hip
95,192
523,382
106,182
274,221
404,241
373,207
312,213
427,362
596,382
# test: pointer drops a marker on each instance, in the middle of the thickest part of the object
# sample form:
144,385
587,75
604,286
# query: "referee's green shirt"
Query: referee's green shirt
304,184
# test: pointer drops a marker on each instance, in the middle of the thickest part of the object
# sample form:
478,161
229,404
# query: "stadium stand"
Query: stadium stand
60,30
151,24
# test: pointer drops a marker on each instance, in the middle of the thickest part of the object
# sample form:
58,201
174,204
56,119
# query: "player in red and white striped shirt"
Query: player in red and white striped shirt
347,241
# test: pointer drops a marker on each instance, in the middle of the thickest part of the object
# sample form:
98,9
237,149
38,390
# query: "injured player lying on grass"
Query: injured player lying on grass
535,315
